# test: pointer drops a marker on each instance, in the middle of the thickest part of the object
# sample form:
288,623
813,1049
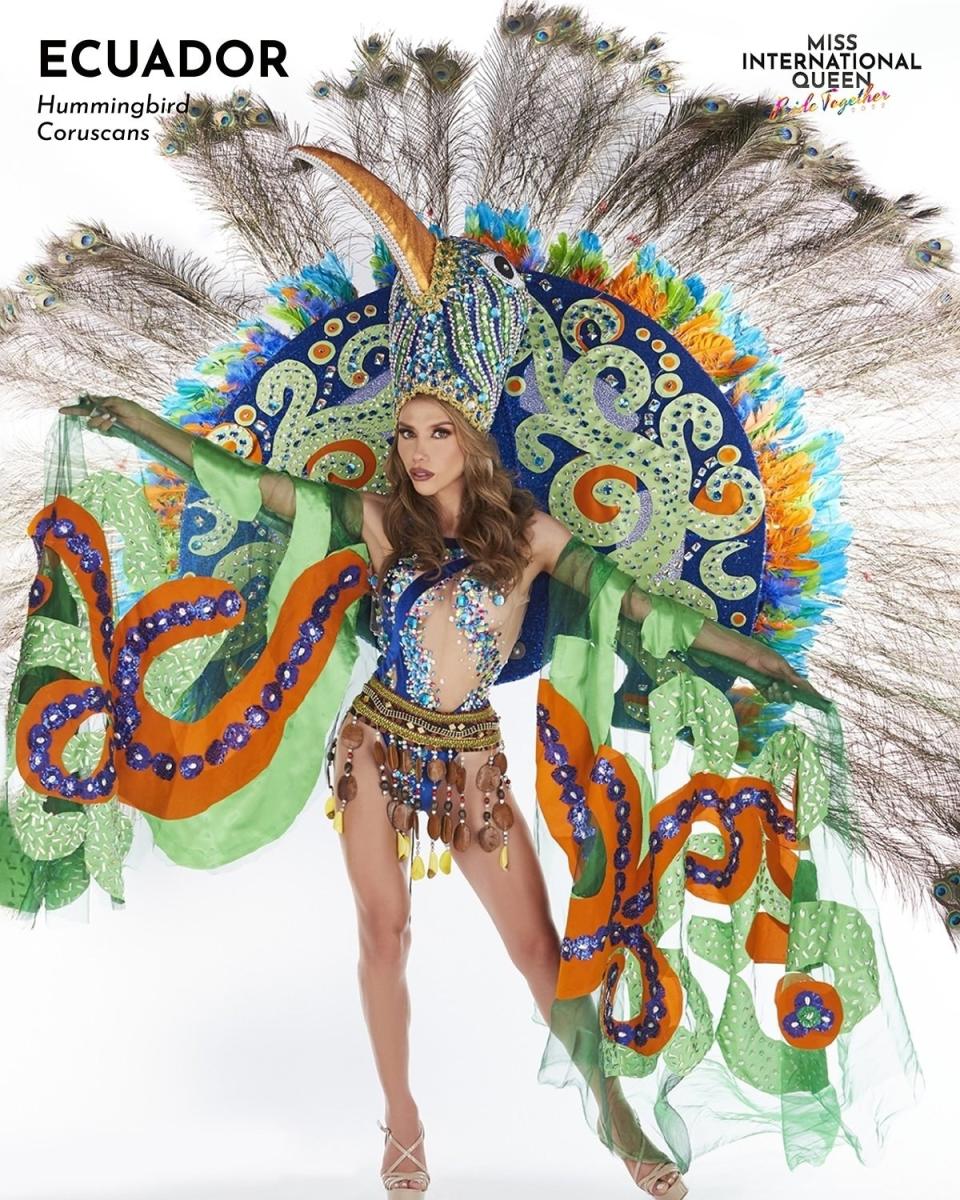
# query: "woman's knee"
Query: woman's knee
535,951
384,938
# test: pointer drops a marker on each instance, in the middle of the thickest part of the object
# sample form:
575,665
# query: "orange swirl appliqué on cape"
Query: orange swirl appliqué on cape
160,765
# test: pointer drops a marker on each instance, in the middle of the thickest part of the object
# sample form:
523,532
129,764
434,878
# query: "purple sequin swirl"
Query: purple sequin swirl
629,931
126,682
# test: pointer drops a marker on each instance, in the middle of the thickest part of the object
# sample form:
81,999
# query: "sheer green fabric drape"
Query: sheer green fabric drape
327,519
50,849
727,1070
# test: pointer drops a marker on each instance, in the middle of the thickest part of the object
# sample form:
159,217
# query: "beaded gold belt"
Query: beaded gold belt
478,729
417,753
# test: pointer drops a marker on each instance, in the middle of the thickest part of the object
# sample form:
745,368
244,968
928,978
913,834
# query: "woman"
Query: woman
453,512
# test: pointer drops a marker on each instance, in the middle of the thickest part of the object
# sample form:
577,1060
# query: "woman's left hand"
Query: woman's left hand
769,662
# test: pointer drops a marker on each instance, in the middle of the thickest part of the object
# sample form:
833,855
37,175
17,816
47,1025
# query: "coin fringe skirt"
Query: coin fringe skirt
418,753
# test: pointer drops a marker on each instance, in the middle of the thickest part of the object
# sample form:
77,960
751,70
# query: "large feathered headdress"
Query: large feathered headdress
458,310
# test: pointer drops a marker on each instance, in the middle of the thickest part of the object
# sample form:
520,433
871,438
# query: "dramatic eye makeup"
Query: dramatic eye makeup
444,428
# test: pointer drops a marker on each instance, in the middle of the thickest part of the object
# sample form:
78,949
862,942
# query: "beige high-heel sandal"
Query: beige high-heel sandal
417,1181
676,1191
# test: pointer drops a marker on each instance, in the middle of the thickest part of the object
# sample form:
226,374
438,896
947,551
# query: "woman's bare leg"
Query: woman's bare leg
382,900
517,901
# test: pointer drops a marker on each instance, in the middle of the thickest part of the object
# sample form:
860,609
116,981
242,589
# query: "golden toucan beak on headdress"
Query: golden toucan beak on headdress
457,310
411,244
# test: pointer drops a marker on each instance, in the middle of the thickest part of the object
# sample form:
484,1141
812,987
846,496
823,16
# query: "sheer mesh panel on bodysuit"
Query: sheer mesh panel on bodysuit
444,647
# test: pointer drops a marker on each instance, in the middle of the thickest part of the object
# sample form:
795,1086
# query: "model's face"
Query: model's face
427,445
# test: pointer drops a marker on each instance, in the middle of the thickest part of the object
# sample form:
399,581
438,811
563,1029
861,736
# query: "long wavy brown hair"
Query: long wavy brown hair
494,513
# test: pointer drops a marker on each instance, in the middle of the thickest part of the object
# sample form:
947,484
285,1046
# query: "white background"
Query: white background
208,1042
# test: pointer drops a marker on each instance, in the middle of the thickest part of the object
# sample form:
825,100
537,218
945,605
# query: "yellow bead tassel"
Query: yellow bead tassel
446,862
504,856
338,820
434,864
330,806
417,871
403,845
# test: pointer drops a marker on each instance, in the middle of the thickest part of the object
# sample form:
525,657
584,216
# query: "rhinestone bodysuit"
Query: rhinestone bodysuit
454,635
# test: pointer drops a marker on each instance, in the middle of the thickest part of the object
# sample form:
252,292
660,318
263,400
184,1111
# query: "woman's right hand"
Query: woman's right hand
103,412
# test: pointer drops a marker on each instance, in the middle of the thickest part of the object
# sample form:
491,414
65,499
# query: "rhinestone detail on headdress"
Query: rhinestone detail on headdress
457,340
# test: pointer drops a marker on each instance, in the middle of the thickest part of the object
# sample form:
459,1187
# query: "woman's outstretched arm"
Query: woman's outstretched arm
107,412
549,539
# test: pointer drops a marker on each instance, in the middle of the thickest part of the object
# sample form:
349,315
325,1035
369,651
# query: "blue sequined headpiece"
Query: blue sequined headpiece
458,310
458,339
